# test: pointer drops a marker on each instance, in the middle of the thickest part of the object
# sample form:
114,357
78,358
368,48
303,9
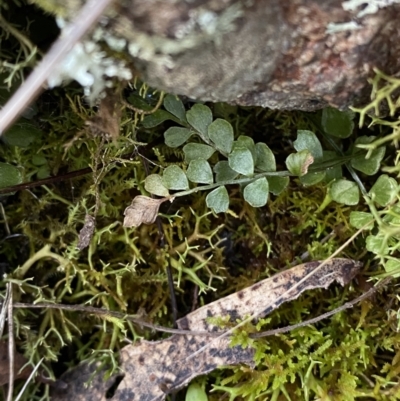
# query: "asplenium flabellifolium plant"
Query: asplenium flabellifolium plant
240,161
215,159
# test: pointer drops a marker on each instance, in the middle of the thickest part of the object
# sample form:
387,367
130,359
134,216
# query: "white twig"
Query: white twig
3,312
86,17
28,380
11,346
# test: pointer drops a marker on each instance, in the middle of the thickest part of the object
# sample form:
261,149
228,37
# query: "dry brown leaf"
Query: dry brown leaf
19,362
269,291
143,209
154,369
86,233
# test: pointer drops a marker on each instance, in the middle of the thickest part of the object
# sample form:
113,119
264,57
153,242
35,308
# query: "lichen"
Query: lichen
90,67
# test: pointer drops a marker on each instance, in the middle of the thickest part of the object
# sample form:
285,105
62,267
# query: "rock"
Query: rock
276,54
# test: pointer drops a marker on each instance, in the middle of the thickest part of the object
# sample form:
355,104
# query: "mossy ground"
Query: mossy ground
353,355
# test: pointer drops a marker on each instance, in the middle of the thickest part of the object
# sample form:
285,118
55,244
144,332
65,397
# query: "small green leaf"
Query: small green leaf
393,218
359,219
221,133
298,163
9,175
200,117
218,200
384,190
256,193
308,140
176,136
392,267
155,185
38,160
331,173
158,117
265,159
137,101
337,123
277,184
199,171
195,393
43,172
241,160
175,178
345,192
376,244
312,178
367,166
197,151
175,106
247,142
22,134
223,172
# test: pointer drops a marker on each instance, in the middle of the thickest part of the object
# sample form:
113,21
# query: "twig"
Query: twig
21,393
3,312
345,306
3,213
57,178
86,17
11,345
45,181
120,315
105,312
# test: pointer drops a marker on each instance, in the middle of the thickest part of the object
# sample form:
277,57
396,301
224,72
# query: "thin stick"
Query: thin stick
119,315
104,312
26,93
58,178
21,393
3,312
314,320
11,345
45,181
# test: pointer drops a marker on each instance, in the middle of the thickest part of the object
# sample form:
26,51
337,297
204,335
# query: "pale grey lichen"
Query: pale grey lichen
90,67
370,6
115,43
344,26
